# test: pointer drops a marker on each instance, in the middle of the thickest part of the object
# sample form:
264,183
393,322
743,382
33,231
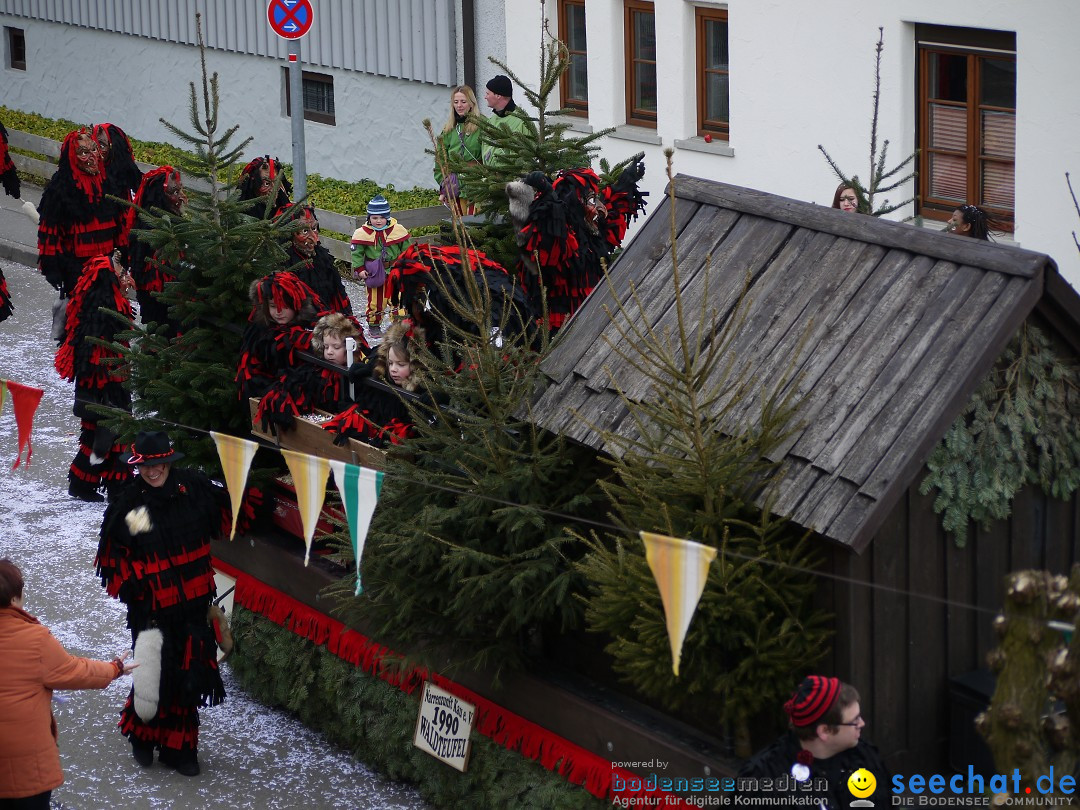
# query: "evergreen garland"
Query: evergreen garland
1021,426
684,473
375,720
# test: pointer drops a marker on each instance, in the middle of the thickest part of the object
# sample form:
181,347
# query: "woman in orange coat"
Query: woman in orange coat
34,665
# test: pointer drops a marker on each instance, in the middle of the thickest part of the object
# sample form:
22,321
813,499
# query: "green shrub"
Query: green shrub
325,192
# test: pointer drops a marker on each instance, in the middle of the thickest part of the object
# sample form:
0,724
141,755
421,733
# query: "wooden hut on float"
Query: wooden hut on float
898,326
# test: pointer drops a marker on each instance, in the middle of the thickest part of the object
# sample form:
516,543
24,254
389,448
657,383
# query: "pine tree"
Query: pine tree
881,179
684,473
468,559
218,252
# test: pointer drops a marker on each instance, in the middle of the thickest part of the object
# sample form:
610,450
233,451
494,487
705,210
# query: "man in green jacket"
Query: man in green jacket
500,98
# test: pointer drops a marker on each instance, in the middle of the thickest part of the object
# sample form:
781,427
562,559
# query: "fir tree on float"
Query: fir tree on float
216,252
882,180
1033,723
468,560
547,145
688,472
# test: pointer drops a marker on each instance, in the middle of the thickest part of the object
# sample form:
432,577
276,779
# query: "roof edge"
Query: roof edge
990,256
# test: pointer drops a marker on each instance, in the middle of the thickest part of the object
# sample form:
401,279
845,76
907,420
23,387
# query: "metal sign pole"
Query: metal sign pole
296,96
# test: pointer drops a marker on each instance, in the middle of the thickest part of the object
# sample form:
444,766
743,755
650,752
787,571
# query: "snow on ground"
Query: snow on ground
251,756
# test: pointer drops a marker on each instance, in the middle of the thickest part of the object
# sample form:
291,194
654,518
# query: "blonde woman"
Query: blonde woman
459,143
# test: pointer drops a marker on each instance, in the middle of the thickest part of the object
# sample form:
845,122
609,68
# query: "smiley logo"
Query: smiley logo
862,783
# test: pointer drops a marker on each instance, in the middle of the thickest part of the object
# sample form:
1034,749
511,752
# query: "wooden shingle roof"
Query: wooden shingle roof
897,326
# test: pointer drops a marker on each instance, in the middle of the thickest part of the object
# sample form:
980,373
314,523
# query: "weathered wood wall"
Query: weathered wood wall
900,650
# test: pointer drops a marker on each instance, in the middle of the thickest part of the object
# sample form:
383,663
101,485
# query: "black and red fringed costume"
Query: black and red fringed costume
424,277
154,556
378,417
150,270
301,390
268,348
257,179
122,175
9,178
313,263
572,228
77,222
98,462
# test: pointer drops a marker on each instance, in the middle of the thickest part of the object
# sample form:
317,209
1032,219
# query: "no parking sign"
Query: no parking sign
290,19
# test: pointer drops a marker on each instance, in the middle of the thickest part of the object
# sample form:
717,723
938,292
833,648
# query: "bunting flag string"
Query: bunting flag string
359,488
24,401
680,568
235,455
309,475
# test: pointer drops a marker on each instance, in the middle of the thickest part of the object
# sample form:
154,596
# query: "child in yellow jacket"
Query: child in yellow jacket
374,248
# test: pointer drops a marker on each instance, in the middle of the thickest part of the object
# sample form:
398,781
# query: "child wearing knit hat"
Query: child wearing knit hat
375,245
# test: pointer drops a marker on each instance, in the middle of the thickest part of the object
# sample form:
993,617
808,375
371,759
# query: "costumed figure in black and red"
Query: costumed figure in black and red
283,311
308,386
567,230
9,178
101,286
122,175
380,415
426,277
78,221
256,181
313,263
154,556
161,193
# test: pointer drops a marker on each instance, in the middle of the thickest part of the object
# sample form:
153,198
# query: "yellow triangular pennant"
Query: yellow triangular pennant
3,392
309,477
680,568
236,455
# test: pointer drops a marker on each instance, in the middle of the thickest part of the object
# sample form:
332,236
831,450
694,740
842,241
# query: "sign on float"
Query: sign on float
443,726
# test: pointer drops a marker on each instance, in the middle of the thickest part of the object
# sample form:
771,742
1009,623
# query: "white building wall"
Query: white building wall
94,76
803,74
492,21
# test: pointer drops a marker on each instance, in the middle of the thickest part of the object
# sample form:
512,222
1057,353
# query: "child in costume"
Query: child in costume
283,310
379,416
374,247
305,387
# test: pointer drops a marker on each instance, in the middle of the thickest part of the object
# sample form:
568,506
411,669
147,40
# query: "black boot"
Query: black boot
83,491
143,753
184,761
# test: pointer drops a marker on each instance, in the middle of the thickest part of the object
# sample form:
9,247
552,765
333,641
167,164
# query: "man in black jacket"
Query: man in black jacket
816,759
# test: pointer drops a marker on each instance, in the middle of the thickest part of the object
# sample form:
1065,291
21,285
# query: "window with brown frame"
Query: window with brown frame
574,83
639,29
16,45
712,71
966,121
318,97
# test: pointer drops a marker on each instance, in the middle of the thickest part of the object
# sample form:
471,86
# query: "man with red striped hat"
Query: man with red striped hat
821,750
